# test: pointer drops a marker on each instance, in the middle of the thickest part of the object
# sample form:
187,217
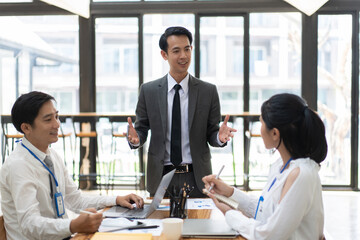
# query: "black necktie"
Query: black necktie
175,149
50,165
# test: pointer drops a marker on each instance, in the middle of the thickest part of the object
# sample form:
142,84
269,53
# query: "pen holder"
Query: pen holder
178,207
178,199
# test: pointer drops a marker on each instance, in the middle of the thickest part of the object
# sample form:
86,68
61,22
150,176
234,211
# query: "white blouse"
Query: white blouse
299,215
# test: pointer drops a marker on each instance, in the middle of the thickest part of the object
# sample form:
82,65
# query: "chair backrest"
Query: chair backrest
8,128
79,120
5,120
2,229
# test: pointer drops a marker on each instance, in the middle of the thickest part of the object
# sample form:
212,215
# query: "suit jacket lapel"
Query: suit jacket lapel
162,99
193,95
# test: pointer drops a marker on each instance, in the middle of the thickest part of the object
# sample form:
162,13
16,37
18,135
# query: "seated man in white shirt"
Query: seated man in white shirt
35,195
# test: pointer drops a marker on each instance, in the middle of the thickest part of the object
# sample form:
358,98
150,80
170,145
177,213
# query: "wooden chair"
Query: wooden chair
85,128
9,133
2,229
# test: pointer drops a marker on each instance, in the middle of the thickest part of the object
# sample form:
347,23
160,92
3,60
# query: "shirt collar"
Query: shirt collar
36,151
184,83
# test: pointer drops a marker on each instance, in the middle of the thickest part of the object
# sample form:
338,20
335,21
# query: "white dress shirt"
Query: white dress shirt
184,106
299,215
25,196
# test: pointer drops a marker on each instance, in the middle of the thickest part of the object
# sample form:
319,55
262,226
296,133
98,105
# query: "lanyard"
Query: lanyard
52,174
261,199
281,171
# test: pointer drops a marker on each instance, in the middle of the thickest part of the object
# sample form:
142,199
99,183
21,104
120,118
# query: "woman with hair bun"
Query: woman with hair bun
290,206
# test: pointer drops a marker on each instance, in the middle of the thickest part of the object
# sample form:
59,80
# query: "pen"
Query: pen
217,177
143,227
87,212
132,228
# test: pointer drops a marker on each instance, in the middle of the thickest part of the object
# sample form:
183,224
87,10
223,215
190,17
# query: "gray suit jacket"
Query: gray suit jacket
204,118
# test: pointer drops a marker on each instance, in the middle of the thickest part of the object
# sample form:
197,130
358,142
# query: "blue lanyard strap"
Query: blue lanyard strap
261,199
287,163
36,157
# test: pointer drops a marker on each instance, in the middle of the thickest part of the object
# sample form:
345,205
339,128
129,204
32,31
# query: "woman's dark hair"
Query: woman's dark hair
26,108
301,129
173,31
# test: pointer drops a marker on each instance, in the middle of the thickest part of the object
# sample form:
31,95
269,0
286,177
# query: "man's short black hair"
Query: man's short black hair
26,108
173,31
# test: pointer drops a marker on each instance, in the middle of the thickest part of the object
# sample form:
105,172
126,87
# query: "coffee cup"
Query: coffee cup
172,228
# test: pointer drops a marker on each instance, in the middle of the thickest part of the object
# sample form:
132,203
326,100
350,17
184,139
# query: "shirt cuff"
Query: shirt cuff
66,232
111,201
237,221
242,198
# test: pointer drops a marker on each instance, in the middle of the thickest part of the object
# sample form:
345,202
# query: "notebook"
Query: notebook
229,201
117,211
207,228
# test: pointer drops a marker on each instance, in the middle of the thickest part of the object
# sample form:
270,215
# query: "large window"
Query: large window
275,56
334,94
117,64
40,53
222,64
246,49
275,67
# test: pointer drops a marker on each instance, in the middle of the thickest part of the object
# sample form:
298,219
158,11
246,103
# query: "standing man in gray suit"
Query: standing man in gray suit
183,114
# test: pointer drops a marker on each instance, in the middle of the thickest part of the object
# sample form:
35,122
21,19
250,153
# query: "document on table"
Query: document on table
119,225
109,224
200,203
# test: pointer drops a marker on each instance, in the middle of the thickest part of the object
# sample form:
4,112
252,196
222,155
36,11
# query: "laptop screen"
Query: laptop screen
160,191
117,211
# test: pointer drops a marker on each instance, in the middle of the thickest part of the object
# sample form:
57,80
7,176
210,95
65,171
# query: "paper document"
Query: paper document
200,203
111,225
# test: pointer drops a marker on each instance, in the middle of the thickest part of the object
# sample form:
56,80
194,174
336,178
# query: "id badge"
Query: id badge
59,203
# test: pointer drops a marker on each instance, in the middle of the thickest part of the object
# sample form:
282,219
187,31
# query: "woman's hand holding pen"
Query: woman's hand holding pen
219,186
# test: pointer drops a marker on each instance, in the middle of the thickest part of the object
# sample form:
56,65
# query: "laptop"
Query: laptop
117,211
207,228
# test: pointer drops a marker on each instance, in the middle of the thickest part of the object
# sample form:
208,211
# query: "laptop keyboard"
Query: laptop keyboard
133,213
